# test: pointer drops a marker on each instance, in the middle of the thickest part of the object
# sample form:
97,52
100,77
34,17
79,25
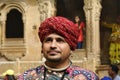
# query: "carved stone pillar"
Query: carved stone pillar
88,13
46,8
3,31
92,10
96,31
0,33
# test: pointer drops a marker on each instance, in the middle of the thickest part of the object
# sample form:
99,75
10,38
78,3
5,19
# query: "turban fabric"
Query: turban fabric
62,27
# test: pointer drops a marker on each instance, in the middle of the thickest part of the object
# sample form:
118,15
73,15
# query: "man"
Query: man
113,72
59,37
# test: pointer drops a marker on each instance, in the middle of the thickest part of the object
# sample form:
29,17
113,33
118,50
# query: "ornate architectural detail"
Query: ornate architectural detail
0,33
97,9
20,51
88,13
46,8
87,5
11,54
92,10
8,46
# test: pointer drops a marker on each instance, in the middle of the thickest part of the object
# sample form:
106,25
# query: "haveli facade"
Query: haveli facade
24,52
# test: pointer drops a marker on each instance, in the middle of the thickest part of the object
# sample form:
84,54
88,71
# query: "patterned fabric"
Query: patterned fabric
72,73
114,50
62,27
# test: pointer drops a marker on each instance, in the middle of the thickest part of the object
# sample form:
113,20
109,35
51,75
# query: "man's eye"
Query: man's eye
60,40
48,40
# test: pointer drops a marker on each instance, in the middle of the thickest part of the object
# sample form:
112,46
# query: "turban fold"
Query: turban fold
62,27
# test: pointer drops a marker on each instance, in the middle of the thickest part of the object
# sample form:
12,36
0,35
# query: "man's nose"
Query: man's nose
53,44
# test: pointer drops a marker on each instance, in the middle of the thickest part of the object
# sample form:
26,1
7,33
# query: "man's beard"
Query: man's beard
53,60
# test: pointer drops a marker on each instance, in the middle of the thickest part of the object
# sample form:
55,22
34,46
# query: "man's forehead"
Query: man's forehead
54,35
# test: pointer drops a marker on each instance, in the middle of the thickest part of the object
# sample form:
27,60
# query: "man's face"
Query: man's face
55,48
110,72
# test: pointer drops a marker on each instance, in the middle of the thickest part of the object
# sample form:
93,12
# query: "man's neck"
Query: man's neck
113,77
57,65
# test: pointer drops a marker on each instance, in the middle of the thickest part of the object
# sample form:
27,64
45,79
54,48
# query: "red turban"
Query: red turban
62,27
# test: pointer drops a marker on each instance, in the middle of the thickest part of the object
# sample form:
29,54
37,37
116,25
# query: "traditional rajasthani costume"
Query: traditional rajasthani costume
114,49
70,73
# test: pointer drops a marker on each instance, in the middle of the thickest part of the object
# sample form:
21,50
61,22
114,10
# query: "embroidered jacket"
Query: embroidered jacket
71,73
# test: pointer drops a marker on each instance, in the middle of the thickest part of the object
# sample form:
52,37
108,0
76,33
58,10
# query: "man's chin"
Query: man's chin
54,60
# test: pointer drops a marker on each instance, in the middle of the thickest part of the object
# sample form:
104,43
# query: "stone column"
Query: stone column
88,15
92,10
46,8
96,32
0,34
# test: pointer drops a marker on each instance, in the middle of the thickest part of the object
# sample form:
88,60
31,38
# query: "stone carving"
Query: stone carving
87,5
92,12
0,33
43,12
88,13
47,9
12,54
97,9
9,50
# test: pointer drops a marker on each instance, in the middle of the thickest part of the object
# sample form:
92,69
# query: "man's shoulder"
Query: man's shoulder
32,71
36,69
78,71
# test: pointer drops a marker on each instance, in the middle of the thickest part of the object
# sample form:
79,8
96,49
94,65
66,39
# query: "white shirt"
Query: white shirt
117,77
